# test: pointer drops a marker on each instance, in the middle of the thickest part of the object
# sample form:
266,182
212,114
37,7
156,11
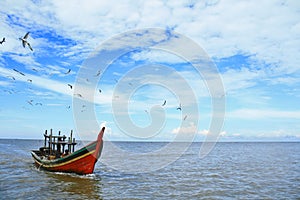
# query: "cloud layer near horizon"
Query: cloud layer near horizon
257,44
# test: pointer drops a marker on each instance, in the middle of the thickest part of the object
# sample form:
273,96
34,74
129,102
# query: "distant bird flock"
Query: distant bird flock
30,102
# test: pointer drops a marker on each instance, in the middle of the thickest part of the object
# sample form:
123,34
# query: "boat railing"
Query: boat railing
57,145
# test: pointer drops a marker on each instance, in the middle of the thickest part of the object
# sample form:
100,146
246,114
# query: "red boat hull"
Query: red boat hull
80,162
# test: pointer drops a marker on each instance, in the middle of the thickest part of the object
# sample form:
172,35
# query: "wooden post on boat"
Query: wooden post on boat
45,142
50,142
69,144
58,143
52,147
63,144
71,138
73,144
70,141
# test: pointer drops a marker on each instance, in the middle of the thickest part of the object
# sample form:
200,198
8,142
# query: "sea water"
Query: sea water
242,170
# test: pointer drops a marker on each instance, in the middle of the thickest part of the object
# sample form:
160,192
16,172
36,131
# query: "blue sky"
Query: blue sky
255,47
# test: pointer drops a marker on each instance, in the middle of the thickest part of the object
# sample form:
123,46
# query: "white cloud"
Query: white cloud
192,129
189,129
157,56
275,134
26,59
237,79
267,30
39,81
89,94
259,29
206,132
4,83
254,114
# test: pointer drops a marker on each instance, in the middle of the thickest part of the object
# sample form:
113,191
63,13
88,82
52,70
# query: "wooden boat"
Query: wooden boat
51,156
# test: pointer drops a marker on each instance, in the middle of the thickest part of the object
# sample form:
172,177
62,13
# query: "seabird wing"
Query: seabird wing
98,73
26,35
29,46
19,72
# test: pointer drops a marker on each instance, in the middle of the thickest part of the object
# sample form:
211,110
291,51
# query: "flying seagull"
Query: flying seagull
10,92
79,95
185,117
70,86
19,72
164,103
179,108
98,73
24,41
11,77
30,102
29,80
3,40
68,71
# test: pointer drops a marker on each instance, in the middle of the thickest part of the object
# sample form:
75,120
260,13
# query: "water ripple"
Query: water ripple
231,171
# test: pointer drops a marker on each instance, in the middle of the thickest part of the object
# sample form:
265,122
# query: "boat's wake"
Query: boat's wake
73,175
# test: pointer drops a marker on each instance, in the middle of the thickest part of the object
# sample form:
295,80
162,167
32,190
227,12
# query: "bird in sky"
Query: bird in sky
179,108
100,90
70,86
98,73
185,117
19,72
30,102
8,91
24,41
13,78
164,103
38,104
29,80
79,95
3,40
68,71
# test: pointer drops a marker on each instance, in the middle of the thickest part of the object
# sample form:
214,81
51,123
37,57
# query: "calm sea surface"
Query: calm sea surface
230,171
